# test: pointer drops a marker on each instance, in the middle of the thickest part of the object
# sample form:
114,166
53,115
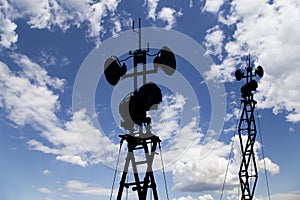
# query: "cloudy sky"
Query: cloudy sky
59,117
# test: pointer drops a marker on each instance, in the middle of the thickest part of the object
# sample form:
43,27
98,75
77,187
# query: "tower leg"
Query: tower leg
141,187
123,178
136,178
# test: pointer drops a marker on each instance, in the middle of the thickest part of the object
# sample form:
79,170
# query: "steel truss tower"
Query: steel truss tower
133,110
247,132
248,169
148,145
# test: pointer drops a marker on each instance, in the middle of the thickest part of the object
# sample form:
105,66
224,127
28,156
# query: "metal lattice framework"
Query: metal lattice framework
248,169
247,132
133,110
148,182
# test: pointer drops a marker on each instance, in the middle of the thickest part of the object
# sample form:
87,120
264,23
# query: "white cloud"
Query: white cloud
221,72
268,31
195,174
46,172
49,14
214,41
169,116
28,96
47,59
36,145
191,3
45,190
86,188
213,6
269,165
51,58
203,167
24,101
197,166
185,198
80,187
36,73
71,142
206,197
168,15
8,36
203,197
117,27
294,195
177,137
39,13
73,159
151,6
291,129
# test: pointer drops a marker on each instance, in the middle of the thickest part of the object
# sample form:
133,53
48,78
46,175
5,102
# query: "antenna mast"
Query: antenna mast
133,109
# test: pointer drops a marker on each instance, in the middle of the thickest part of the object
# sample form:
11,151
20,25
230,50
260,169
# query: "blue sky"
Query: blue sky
59,117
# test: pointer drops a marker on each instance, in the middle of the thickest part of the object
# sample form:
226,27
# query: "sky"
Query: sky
60,120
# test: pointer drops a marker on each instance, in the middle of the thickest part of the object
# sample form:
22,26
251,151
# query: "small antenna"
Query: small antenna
133,26
249,60
249,70
139,32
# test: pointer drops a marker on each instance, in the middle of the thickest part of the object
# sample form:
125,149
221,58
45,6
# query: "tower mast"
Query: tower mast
247,131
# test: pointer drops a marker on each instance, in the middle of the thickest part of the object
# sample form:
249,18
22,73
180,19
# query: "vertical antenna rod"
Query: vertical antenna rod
140,35
139,56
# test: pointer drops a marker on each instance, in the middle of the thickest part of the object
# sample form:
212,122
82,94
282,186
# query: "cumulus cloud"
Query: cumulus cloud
54,14
214,41
177,137
49,14
197,173
168,116
76,186
168,15
194,173
151,7
45,190
8,36
30,97
47,172
213,6
22,99
34,72
198,166
293,195
203,197
221,72
267,30
7,33
269,165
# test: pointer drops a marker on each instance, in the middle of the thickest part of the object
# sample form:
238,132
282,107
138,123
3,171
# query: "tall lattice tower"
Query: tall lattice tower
247,131
133,110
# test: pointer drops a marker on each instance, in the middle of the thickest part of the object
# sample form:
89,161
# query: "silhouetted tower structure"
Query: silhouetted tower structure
133,109
247,131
